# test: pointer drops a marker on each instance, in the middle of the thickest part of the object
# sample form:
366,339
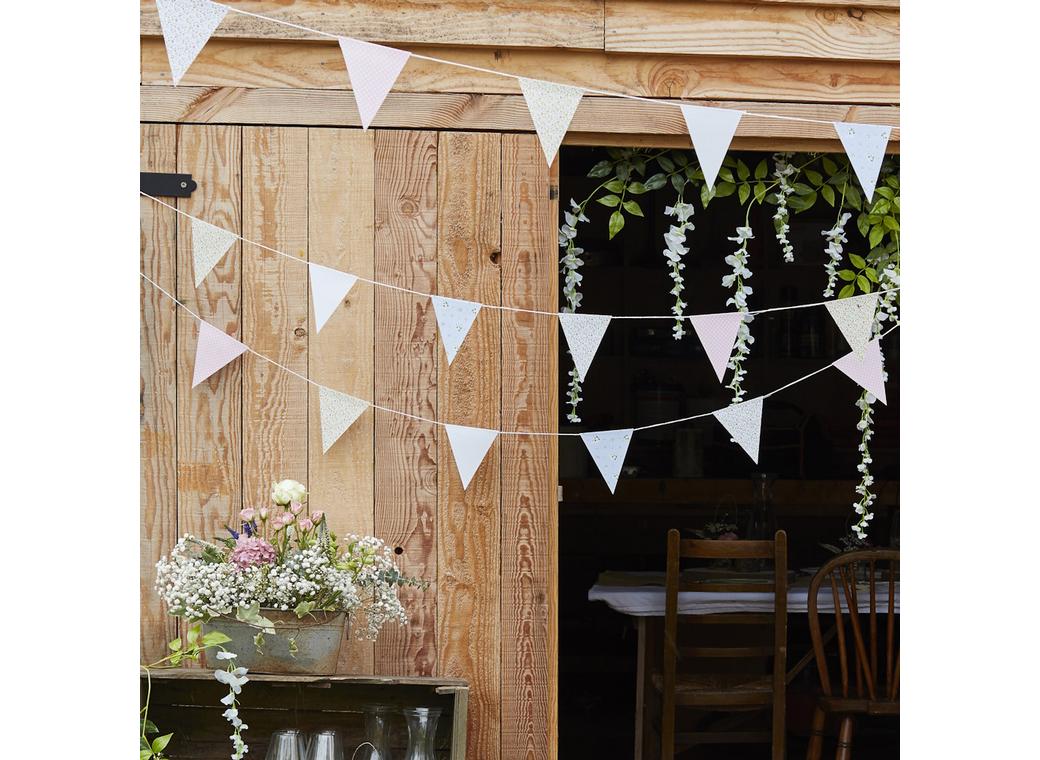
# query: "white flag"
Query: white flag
608,449
373,69
552,107
869,371
469,446
215,350
583,333
186,27
328,287
855,318
865,146
744,423
711,130
208,246
454,318
338,412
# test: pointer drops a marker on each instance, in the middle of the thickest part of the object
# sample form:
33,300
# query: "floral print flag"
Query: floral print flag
744,423
373,69
855,318
338,412
454,318
711,130
583,333
717,333
608,449
208,246
215,350
869,371
186,27
865,146
469,446
552,107
328,288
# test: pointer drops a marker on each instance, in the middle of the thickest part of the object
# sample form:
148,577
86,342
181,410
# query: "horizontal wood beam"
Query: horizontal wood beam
307,65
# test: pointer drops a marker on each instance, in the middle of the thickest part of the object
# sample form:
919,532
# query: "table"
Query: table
642,596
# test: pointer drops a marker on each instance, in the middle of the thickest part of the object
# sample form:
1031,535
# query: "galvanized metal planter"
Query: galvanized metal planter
318,638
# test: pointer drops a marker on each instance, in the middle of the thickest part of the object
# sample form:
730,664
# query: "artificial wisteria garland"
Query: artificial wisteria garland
785,173
571,263
675,250
736,280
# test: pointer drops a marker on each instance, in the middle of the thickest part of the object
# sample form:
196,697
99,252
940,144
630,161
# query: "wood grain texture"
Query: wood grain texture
515,23
274,309
340,356
274,63
469,631
694,27
529,463
406,346
209,417
158,391
627,119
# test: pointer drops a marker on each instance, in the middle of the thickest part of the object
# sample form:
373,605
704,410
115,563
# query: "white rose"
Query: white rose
287,491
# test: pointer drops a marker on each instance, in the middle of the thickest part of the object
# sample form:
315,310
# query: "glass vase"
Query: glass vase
422,732
377,732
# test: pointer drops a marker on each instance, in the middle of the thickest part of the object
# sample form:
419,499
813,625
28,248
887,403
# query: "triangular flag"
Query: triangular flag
865,146
855,318
338,412
328,287
608,449
186,27
744,423
711,130
469,446
214,350
373,69
208,246
717,333
454,318
552,107
869,371
584,333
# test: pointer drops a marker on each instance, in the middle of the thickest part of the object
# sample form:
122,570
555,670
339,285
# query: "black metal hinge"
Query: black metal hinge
167,185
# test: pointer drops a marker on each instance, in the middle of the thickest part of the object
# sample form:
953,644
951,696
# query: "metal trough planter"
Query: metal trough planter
318,638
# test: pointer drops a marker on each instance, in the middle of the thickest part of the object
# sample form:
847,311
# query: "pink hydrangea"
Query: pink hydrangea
249,552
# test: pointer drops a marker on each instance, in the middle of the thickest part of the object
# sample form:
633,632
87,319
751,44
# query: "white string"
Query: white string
493,72
515,309
500,432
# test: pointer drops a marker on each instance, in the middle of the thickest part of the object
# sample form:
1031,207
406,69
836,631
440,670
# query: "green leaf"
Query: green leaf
729,161
615,186
193,633
175,645
814,176
743,172
723,189
853,196
829,166
678,182
150,728
881,206
303,608
871,274
636,188
666,163
828,194
848,290
623,171
681,158
864,283
885,192
145,754
801,188
847,274
633,208
743,191
706,195
215,638
617,221
656,182
694,173
760,191
876,233
892,180
610,201
159,743
727,175
762,169
857,261
890,223
602,169
863,224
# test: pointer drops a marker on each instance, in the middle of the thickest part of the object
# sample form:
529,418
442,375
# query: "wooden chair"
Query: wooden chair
728,691
865,690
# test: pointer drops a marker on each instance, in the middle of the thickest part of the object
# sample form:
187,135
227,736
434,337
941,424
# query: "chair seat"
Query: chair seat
850,706
719,690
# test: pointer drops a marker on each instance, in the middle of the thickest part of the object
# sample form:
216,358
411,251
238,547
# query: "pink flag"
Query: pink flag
869,371
214,350
373,69
717,333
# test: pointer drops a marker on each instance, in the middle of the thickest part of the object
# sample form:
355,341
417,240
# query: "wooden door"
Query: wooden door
468,215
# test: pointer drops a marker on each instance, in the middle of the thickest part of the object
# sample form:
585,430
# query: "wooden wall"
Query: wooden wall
468,215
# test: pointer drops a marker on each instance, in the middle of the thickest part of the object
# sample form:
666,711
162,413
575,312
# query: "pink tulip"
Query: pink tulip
305,525
287,518
296,507
248,514
317,515
264,512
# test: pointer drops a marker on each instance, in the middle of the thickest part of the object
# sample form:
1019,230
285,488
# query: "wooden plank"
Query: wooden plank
406,346
209,417
340,357
469,632
266,63
693,27
513,23
529,463
274,309
158,391
626,118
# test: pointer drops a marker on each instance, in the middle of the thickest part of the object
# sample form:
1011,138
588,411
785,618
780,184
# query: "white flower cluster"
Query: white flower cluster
836,239
572,262
674,251
234,678
784,174
739,261
305,575
195,588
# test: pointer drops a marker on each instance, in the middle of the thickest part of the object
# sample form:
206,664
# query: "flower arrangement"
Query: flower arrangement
719,530
283,557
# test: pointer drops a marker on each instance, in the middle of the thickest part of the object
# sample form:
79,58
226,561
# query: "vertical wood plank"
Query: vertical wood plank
274,309
158,390
406,346
469,629
209,417
340,357
529,463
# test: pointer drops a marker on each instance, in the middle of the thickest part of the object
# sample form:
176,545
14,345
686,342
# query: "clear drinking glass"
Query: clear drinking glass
325,745
287,744
377,732
422,732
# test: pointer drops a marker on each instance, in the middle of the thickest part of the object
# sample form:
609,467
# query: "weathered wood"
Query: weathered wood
694,27
209,417
513,23
299,65
158,463
529,463
406,379
340,357
601,115
274,309
469,631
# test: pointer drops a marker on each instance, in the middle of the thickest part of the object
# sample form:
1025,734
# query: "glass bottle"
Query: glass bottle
422,732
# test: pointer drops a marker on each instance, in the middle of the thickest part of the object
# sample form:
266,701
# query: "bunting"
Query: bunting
338,412
187,26
855,318
608,449
373,69
583,333
469,446
454,318
208,246
328,288
717,333
869,371
743,421
552,107
865,146
711,130
214,350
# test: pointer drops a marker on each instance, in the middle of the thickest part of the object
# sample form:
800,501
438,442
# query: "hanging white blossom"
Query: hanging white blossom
739,261
836,240
674,251
785,175
571,262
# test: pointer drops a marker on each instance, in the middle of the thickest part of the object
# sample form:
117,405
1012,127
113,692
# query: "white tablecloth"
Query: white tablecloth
648,601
